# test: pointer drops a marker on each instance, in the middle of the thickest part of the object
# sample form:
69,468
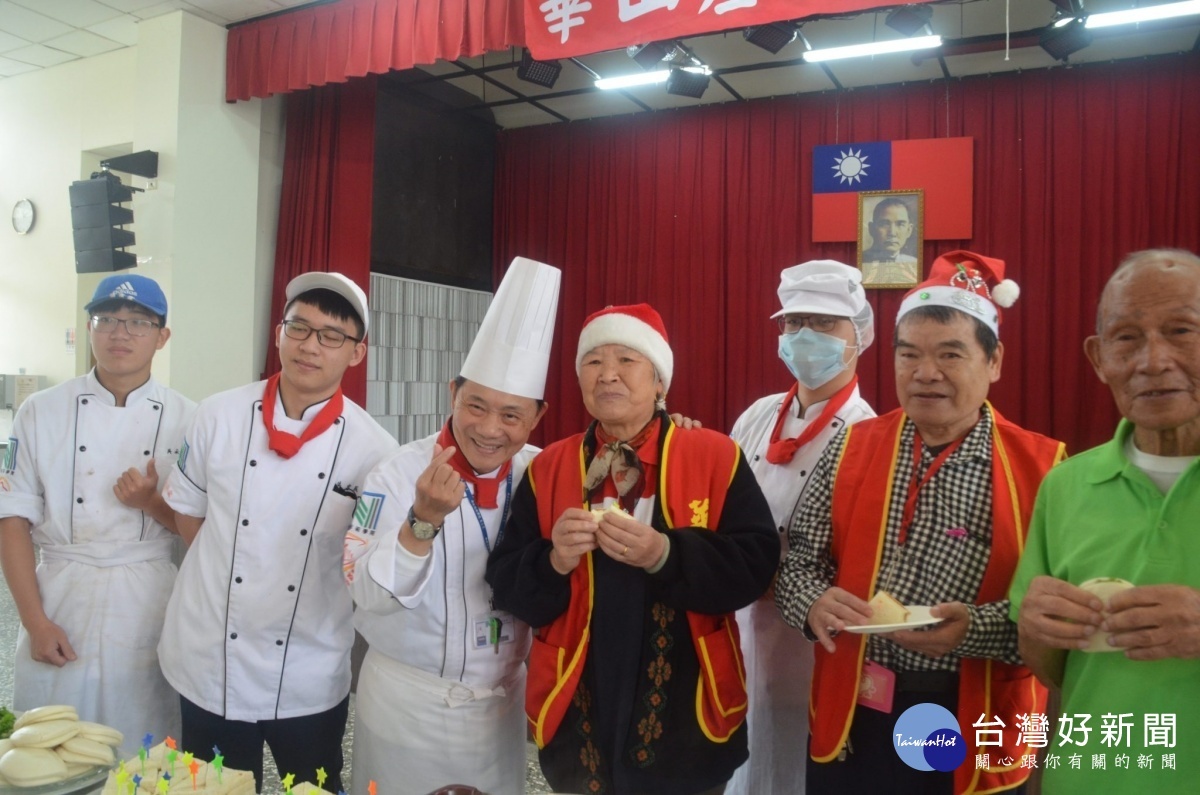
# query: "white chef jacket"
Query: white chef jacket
105,571
438,702
779,659
259,624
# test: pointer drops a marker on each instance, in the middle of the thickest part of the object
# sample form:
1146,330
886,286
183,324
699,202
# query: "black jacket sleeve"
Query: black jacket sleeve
523,580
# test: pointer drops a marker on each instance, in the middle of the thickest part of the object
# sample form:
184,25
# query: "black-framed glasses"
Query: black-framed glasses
134,326
327,337
790,324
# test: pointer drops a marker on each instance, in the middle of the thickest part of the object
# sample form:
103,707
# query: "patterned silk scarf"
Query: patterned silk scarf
484,490
620,460
288,444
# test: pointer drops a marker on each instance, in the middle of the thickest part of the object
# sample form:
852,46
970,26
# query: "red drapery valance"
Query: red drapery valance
352,38
697,211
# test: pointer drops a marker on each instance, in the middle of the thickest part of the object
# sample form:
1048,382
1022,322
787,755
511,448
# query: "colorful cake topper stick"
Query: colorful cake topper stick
371,787
286,781
163,785
147,741
142,758
194,767
218,763
137,781
170,756
187,758
321,776
170,743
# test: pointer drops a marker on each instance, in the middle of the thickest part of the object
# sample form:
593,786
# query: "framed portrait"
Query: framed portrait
890,237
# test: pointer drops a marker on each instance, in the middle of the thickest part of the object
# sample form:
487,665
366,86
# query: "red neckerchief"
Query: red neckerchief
781,451
619,464
914,487
288,444
484,490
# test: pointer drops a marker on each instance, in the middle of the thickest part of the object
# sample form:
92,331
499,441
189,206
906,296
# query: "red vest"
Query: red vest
862,493
695,470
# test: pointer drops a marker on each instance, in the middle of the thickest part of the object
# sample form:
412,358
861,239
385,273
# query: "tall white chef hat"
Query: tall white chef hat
511,352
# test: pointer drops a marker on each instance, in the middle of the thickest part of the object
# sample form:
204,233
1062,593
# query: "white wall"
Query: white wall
206,231
48,119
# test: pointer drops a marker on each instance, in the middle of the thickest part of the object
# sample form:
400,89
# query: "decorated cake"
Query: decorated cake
164,770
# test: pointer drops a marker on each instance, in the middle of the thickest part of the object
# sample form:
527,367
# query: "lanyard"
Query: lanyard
503,517
914,487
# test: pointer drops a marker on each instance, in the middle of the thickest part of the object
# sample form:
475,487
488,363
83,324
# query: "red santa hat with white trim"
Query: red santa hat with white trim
966,281
636,326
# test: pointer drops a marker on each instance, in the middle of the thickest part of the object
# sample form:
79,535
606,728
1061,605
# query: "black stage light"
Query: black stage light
1062,41
649,56
908,19
683,83
541,73
773,37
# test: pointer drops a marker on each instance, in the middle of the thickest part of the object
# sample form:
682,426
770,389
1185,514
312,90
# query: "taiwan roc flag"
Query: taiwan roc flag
942,167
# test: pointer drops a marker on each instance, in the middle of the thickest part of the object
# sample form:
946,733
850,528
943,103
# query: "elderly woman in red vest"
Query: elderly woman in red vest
629,547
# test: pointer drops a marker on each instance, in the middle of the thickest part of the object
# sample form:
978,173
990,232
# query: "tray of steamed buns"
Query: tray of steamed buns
49,751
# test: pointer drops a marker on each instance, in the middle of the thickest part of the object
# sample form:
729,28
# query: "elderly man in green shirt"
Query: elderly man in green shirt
1127,510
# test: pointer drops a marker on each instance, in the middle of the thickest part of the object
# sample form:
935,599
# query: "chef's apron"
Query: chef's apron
107,586
415,732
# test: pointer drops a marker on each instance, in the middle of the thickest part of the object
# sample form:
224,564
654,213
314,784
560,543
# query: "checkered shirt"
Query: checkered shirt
937,562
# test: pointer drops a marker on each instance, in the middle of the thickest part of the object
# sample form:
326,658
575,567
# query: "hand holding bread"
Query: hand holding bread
627,540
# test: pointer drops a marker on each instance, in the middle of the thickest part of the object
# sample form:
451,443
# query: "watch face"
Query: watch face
423,530
22,216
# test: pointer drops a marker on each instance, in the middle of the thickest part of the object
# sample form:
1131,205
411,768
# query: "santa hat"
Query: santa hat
636,326
960,280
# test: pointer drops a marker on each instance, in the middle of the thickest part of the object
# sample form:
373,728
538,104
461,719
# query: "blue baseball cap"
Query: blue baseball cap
135,289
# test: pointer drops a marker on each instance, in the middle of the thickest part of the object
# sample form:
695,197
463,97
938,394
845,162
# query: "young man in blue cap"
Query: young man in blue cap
80,482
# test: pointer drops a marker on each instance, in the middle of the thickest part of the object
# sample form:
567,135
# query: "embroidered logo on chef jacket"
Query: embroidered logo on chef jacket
367,510
699,512
10,456
183,456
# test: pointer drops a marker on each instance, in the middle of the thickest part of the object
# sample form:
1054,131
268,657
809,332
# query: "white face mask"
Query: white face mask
814,358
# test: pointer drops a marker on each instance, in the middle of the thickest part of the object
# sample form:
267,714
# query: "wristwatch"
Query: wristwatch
423,531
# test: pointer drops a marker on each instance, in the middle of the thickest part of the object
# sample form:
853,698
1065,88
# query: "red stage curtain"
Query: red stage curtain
697,211
351,38
325,207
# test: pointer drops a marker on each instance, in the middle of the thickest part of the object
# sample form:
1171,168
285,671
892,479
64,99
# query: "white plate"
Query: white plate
84,782
918,616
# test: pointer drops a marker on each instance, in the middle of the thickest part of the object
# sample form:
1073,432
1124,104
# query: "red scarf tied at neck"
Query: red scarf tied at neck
781,451
288,444
483,490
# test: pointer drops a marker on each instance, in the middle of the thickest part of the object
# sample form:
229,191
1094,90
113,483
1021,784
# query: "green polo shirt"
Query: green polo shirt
1097,515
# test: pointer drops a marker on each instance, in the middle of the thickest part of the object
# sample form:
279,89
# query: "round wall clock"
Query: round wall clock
23,215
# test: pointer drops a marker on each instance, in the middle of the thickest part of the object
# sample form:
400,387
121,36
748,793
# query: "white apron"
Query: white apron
405,738
105,577
422,618
779,659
